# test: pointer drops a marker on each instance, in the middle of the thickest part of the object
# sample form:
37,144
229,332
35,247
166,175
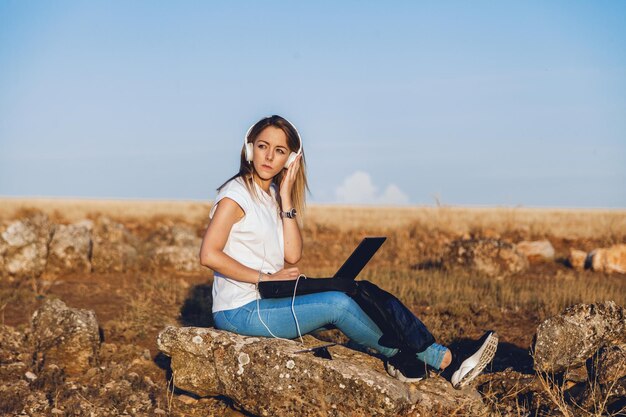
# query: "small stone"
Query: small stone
148,381
57,412
185,399
159,412
577,259
30,376
538,250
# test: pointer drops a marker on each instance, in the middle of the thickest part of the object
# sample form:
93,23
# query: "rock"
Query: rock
175,258
114,247
577,259
609,384
174,235
24,247
491,257
65,336
611,259
175,248
186,399
266,377
568,339
611,364
70,249
576,375
535,251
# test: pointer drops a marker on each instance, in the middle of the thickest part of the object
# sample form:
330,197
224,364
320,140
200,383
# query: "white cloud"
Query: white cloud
359,189
394,195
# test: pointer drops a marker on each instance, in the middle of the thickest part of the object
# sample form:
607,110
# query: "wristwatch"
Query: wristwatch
291,214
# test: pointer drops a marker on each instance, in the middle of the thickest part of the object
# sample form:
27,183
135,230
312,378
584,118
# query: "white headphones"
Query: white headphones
249,146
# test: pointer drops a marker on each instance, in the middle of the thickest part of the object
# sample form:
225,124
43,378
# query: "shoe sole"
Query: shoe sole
487,355
391,370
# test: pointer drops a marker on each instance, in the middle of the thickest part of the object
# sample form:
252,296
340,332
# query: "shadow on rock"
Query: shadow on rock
196,310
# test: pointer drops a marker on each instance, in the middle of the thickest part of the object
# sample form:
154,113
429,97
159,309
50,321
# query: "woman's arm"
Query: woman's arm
212,254
291,236
291,229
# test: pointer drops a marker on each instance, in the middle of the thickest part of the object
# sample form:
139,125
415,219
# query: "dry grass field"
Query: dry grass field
456,305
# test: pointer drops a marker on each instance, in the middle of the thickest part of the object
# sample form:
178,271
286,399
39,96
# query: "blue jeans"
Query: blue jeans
313,311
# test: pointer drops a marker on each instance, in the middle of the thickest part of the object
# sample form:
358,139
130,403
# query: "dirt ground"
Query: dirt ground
133,307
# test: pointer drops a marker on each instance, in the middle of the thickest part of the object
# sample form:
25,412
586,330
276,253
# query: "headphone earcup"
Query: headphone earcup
292,157
249,151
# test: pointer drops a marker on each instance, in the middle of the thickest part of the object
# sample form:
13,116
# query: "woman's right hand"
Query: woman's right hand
285,274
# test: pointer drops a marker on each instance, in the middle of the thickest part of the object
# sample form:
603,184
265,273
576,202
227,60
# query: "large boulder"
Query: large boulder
536,250
568,339
114,247
24,247
67,337
611,259
175,248
267,377
70,248
491,257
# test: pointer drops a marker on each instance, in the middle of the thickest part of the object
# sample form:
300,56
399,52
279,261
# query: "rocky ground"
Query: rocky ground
82,305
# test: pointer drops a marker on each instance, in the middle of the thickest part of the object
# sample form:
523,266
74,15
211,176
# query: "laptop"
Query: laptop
343,280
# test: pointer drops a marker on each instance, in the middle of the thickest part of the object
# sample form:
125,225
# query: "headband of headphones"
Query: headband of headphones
249,146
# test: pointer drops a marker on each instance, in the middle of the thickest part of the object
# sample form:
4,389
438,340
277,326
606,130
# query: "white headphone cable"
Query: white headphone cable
293,311
258,309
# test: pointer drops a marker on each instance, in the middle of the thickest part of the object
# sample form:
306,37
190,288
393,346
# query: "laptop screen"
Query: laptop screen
360,257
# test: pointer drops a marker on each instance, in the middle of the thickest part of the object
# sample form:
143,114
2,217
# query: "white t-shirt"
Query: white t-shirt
255,241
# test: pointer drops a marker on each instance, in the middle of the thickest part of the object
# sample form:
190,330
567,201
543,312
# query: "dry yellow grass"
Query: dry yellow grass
77,209
560,223
569,223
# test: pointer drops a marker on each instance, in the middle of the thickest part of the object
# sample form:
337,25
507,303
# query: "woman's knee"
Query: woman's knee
339,300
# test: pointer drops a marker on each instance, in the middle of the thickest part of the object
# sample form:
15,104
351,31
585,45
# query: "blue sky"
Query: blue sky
472,103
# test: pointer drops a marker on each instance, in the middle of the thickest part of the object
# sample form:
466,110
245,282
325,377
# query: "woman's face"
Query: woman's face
270,152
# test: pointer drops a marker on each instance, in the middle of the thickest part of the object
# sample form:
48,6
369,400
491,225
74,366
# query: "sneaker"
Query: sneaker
406,367
474,365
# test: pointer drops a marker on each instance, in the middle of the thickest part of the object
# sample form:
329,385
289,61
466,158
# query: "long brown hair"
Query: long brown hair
246,169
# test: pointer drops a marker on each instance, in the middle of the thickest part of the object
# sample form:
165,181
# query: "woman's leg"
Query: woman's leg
436,355
312,311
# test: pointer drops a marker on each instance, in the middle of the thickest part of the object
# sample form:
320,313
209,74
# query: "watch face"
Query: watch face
289,214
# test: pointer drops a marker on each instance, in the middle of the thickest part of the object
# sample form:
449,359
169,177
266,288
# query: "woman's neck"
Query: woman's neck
264,184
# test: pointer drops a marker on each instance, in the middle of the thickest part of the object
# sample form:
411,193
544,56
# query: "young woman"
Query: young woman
254,230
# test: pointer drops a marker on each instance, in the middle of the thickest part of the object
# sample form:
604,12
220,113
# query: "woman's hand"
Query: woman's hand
288,180
285,274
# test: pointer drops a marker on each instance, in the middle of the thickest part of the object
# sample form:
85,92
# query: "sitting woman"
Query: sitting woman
253,231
